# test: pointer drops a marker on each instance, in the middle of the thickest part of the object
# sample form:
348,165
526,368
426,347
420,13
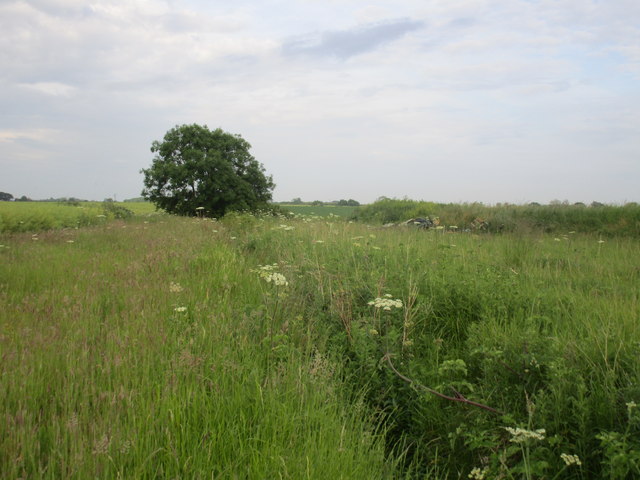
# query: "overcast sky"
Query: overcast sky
449,101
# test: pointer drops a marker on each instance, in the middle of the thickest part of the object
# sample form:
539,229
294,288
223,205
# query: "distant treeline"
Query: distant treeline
557,217
341,203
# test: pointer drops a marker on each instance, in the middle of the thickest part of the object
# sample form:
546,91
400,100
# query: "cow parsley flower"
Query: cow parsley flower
521,435
269,274
477,474
277,278
570,459
180,309
386,303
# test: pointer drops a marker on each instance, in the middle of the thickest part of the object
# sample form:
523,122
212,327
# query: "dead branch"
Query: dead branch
457,398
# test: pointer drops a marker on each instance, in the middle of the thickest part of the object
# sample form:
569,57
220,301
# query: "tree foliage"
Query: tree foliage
197,168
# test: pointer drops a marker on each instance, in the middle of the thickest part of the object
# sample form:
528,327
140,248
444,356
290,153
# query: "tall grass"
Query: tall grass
160,350
137,350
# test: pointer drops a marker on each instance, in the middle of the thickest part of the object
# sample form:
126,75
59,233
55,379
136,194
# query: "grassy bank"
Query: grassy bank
270,347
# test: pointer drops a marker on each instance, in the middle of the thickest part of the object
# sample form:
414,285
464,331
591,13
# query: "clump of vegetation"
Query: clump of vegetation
115,210
554,218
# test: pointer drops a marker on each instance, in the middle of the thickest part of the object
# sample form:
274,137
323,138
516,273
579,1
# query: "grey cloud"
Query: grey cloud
347,43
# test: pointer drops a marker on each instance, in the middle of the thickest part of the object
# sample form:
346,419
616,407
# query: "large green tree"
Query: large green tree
197,168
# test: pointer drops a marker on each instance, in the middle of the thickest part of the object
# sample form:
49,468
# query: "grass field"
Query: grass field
40,216
257,347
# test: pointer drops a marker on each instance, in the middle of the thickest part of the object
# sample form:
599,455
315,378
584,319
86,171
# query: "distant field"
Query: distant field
321,210
41,216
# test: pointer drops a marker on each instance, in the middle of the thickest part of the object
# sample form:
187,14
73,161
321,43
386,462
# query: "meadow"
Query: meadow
314,347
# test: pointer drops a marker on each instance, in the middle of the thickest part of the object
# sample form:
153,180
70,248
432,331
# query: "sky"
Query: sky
449,101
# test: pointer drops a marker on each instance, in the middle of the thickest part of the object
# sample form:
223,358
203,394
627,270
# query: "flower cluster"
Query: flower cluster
277,278
269,274
477,474
286,228
175,287
570,459
520,435
386,302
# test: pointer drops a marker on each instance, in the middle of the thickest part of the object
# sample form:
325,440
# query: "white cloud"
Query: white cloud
43,135
55,89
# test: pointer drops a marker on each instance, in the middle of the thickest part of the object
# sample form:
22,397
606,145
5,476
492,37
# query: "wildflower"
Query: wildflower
556,239
175,287
318,241
373,331
101,216
277,278
69,241
269,274
600,241
570,459
477,474
520,435
386,303
631,405
180,309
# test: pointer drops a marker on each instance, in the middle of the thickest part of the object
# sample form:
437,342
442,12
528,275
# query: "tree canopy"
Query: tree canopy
196,168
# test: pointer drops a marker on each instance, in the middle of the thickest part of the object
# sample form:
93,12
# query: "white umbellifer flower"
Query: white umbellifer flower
520,435
570,459
386,303
477,474
175,287
269,274
180,309
277,278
